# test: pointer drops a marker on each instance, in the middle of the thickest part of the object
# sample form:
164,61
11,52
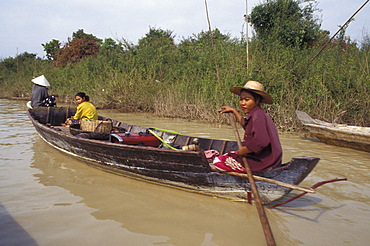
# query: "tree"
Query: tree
80,34
51,48
154,52
21,64
286,22
157,37
206,37
81,45
109,46
26,56
204,47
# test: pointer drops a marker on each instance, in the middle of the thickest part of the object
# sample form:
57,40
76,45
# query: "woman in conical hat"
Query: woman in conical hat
261,145
40,96
39,91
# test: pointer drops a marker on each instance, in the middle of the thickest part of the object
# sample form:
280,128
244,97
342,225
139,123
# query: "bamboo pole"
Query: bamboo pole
214,52
246,33
345,24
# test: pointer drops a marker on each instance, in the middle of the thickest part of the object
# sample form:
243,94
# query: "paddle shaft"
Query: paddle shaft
261,211
259,178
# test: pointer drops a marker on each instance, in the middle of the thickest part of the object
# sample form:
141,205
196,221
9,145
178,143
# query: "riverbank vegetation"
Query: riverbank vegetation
191,78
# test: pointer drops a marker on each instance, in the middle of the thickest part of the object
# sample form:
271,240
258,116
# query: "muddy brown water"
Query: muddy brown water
50,198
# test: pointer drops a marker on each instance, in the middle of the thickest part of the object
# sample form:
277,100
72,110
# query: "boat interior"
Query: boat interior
55,117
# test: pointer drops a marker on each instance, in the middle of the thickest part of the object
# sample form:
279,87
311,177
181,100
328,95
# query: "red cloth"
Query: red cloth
229,162
261,137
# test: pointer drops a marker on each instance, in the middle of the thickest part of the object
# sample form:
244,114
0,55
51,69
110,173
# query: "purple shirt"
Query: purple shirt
261,137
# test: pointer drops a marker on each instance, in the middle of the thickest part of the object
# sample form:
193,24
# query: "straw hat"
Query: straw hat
255,87
41,80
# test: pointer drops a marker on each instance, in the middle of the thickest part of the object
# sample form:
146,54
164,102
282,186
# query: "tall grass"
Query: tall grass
181,80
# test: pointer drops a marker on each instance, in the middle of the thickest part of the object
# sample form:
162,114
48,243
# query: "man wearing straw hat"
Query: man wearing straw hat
261,145
40,96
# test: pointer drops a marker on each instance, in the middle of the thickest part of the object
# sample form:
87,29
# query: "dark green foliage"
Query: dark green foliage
51,48
109,46
284,21
154,53
13,70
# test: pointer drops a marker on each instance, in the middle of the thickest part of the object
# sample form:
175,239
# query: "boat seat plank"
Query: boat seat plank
205,144
180,140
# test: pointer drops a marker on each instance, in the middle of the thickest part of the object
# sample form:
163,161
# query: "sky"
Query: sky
26,24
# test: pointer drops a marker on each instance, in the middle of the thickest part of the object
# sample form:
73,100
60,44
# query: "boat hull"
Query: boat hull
353,137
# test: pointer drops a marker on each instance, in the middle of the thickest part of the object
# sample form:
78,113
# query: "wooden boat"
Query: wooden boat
342,135
185,170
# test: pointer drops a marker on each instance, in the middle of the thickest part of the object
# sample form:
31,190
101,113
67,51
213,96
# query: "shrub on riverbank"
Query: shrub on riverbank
192,79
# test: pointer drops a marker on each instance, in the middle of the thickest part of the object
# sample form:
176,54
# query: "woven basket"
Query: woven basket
96,125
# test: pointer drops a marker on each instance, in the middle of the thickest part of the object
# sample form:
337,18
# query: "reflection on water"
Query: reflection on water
159,214
58,200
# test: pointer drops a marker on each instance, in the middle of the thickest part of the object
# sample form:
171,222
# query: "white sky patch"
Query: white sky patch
25,25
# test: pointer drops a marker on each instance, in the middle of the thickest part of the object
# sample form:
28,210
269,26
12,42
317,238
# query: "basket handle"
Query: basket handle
98,126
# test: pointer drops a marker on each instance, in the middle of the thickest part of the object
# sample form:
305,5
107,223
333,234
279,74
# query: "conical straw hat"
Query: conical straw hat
41,80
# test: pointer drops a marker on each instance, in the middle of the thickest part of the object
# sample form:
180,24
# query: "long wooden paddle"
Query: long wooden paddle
261,211
272,181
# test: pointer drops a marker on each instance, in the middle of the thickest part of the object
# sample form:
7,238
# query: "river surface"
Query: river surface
50,198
